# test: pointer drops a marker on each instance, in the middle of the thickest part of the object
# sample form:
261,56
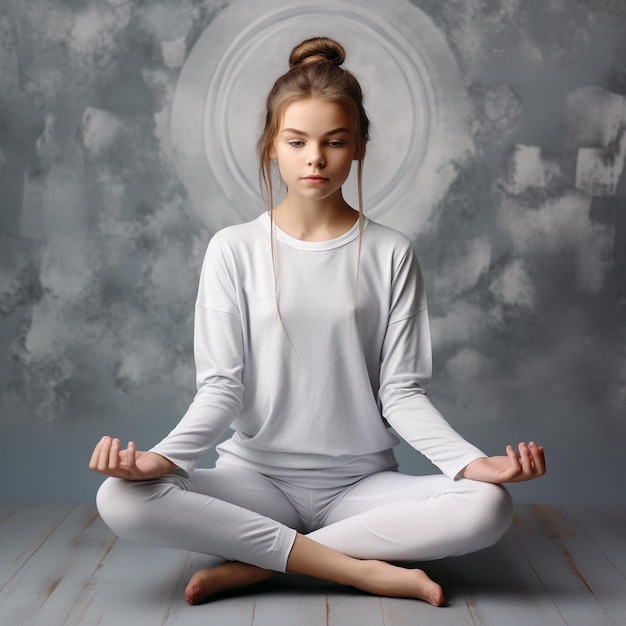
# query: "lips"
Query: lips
316,180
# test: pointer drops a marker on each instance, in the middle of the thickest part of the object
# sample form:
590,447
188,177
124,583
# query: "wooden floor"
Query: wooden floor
60,565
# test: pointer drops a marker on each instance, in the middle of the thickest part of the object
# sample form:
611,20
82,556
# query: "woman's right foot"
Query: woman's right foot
384,579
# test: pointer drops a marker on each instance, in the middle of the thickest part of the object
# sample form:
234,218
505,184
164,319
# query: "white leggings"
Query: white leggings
236,512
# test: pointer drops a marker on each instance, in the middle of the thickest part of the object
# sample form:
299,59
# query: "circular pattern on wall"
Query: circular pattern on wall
413,97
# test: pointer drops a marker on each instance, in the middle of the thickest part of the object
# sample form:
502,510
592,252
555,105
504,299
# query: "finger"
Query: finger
131,461
538,458
516,466
95,455
525,459
114,454
103,458
512,456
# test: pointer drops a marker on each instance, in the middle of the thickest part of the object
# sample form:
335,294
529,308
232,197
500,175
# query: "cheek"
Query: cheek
348,162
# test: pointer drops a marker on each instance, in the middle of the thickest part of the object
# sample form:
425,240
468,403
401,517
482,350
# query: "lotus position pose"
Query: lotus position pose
311,341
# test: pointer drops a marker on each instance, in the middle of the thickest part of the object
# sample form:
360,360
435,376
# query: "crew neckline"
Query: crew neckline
329,244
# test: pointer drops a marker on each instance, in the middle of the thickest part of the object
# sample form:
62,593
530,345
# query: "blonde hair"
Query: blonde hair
314,72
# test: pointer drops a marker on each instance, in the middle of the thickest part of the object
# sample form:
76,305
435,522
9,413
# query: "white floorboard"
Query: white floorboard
59,564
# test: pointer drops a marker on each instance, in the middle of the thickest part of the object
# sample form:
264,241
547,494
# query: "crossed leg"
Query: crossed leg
385,516
244,517
314,559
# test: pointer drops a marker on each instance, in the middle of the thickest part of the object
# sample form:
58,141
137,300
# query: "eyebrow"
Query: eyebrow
295,131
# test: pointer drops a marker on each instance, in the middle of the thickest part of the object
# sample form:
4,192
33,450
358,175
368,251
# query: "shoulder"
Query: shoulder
230,255
386,234
387,241
393,251
235,245
239,235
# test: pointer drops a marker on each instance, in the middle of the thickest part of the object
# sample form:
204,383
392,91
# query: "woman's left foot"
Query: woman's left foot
206,583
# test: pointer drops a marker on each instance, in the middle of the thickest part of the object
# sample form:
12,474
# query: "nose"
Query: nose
315,157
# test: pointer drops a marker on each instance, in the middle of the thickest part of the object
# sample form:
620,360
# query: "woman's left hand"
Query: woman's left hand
513,468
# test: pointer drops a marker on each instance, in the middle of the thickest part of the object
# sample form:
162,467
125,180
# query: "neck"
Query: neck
315,221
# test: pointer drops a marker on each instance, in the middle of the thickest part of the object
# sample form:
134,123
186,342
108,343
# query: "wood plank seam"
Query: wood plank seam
41,543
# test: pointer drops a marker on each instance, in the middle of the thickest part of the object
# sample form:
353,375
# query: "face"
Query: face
315,148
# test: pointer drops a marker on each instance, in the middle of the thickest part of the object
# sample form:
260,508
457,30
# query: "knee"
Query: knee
492,513
120,507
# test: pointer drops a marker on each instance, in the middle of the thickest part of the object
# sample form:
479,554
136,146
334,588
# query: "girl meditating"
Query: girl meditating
311,341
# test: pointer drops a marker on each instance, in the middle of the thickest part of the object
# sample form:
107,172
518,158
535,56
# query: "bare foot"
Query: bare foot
384,579
206,583
376,577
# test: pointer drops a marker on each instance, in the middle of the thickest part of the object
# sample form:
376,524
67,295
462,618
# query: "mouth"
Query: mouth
315,180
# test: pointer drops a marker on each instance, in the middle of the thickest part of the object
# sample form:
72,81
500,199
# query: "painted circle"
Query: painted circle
396,52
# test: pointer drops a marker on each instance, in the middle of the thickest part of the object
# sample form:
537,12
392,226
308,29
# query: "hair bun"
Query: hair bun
317,50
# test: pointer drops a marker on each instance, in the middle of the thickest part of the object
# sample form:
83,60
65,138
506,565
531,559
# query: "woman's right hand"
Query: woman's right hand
131,464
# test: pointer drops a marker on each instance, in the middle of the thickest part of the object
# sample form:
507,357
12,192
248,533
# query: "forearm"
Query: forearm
423,427
218,349
199,430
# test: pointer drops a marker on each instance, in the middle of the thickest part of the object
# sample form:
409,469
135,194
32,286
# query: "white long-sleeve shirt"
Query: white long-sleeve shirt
318,385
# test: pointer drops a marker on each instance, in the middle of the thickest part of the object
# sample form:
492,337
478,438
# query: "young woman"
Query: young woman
311,338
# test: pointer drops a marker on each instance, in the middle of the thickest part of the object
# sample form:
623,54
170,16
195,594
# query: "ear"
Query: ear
273,154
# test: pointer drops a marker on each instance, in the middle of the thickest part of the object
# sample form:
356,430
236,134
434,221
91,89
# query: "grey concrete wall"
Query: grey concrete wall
524,253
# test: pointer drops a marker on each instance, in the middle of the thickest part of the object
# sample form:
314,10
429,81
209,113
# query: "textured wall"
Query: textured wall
100,246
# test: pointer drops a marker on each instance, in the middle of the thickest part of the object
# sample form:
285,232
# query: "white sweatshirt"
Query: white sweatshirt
317,386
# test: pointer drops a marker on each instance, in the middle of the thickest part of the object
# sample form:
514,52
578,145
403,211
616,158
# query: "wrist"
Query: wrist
469,471
166,464
163,465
